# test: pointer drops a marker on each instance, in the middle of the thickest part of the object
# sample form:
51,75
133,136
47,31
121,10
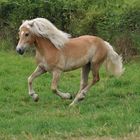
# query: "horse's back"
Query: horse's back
85,41
85,44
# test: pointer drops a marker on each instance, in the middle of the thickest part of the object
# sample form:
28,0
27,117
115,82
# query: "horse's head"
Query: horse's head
26,39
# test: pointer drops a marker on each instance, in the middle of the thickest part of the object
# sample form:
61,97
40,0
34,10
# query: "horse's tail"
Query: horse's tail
113,62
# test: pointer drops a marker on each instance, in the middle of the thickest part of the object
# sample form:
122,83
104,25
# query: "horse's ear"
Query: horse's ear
31,24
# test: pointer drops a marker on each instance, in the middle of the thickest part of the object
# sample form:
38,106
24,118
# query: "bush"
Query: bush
109,19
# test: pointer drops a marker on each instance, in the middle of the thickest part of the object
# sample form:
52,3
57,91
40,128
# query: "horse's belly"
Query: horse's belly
73,64
79,57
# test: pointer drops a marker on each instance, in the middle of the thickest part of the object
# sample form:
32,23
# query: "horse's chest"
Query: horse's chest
50,64
43,63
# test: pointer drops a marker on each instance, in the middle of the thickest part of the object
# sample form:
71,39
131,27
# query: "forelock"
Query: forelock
26,24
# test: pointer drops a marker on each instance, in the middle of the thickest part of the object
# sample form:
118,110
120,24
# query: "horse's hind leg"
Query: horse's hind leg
95,72
84,76
55,80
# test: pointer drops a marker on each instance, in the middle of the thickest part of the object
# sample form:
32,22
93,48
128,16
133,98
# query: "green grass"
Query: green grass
111,108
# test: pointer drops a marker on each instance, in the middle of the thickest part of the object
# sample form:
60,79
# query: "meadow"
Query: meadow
111,109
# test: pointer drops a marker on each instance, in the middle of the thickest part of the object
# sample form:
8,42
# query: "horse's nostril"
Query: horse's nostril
20,51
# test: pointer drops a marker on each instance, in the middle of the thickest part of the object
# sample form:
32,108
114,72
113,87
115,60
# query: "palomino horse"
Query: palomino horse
56,52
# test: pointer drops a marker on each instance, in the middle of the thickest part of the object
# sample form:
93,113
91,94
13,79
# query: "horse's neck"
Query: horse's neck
44,46
46,53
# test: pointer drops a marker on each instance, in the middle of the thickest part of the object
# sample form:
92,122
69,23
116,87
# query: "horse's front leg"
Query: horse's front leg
38,71
55,80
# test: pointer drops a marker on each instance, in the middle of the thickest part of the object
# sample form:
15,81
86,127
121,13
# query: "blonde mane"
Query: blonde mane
43,28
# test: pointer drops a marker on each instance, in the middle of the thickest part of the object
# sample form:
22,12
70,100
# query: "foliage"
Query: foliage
110,109
108,19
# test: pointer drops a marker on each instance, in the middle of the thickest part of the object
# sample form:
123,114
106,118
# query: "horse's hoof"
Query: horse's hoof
72,104
81,98
76,100
35,97
67,96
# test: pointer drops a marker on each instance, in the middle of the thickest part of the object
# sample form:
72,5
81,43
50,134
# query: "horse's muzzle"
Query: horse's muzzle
20,51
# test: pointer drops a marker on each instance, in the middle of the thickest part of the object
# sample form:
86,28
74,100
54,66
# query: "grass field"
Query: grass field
111,109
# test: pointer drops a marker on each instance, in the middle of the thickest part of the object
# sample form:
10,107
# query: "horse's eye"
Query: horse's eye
27,34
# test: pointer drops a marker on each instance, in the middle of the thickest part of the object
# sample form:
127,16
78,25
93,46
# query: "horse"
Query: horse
57,52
